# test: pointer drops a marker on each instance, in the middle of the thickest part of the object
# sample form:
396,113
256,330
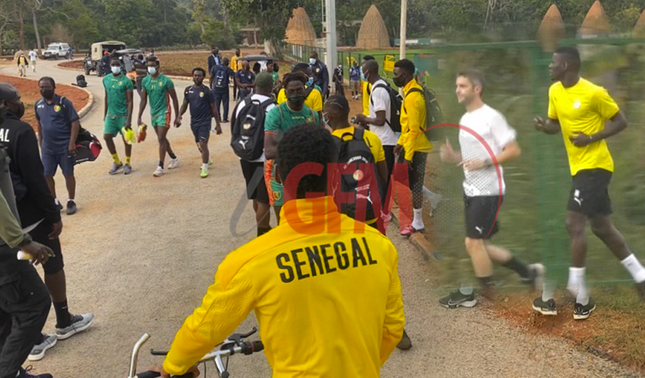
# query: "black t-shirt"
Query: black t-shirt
200,100
246,77
221,76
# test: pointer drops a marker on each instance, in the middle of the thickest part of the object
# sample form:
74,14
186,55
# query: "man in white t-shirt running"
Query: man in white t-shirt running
482,192
33,59
253,170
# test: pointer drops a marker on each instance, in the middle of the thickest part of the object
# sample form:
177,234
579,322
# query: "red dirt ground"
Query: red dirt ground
30,93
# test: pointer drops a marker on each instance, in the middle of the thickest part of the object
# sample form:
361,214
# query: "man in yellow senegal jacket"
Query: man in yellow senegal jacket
413,145
324,287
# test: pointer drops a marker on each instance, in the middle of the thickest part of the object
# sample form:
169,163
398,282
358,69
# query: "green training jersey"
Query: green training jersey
281,118
157,89
116,88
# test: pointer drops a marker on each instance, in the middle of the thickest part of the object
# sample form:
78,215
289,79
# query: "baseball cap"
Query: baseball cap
8,92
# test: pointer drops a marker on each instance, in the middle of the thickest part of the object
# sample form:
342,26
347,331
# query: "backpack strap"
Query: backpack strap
386,87
358,133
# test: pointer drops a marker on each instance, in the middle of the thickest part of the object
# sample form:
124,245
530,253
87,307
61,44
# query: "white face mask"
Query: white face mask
116,70
312,61
152,70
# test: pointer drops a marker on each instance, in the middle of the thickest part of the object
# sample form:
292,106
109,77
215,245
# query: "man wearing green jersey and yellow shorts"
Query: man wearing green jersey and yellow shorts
156,89
280,119
117,114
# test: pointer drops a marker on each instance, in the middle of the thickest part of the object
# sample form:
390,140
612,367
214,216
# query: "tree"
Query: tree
217,33
5,20
271,16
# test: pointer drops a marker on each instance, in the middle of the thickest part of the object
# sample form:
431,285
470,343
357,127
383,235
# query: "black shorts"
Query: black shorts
256,188
201,131
481,216
418,172
590,193
40,234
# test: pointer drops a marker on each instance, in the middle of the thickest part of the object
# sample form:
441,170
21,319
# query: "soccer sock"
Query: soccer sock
161,163
116,159
56,201
466,289
417,220
172,156
485,281
263,230
70,200
63,318
205,167
548,292
583,293
128,159
635,268
576,275
519,267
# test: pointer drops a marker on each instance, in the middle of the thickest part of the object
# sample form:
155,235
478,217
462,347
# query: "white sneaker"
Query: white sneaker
158,172
38,351
174,163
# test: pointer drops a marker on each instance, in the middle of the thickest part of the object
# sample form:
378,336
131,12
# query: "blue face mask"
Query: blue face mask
310,82
152,70
116,69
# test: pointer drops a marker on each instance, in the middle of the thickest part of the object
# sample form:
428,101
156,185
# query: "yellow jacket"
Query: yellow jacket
325,290
366,88
413,122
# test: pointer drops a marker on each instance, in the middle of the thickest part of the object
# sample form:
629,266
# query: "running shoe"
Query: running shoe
405,343
71,208
59,206
204,173
458,299
581,312
536,276
79,324
127,169
115,168
547,308
38,351
174,163
158,172
409,230
25,373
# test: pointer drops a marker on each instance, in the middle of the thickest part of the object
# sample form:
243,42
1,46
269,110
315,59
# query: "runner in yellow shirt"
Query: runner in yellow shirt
328,299
580,109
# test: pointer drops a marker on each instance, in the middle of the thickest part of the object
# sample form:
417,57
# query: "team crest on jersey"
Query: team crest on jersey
577,104
277,196
201,94
120,83
317,69
57,108
246,126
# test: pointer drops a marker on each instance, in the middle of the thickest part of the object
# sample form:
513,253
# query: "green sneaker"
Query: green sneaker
204,173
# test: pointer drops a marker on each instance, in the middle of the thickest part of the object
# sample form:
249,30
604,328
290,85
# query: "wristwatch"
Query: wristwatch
26,239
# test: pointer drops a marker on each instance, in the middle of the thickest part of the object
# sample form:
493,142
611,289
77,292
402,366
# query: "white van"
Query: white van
56,50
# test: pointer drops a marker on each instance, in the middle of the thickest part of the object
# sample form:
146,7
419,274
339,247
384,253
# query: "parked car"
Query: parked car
56,50
93,62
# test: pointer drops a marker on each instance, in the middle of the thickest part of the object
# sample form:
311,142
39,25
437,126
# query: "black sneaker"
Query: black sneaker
545,308
71,208
581,312
458,299
640,288
59,206
24,373
405,343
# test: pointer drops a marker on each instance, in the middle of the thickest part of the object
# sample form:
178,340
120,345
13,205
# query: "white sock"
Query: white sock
71,199
548,291
417,220
56,201
635,268
205,167
576,275
583,293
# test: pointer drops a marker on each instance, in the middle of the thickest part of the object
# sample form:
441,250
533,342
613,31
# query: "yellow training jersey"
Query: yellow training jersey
366,89
371,139
583,108
413,121
325,290
313,101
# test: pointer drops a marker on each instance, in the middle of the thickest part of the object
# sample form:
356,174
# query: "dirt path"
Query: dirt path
141,252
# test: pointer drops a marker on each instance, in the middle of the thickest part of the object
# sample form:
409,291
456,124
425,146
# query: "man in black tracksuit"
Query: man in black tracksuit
24,299
38,212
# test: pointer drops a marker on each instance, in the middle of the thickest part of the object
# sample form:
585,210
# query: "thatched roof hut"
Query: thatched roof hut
300,31
373,33
639,29
551,29
596,22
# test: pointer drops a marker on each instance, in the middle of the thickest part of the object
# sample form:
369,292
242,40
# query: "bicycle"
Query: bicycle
234,344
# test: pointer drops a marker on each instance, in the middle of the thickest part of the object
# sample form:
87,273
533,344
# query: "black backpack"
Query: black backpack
352,153
80,81
247,128
434,114
395,106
